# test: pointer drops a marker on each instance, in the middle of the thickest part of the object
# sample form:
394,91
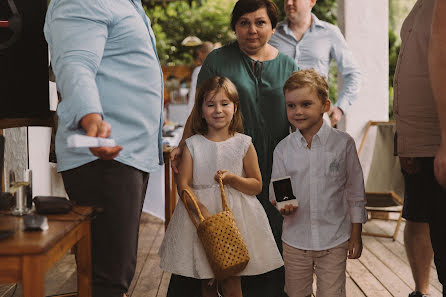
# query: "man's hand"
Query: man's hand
94,126
440,165
335,114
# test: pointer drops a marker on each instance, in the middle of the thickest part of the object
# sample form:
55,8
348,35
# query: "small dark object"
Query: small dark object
4,234
52,205
7,201
35,223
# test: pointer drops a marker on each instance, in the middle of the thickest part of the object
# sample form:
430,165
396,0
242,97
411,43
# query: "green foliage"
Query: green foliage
325,10
209,20
394,50
333,82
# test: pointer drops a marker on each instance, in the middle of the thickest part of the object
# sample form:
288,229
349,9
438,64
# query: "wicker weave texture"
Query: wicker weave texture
225,249
222,241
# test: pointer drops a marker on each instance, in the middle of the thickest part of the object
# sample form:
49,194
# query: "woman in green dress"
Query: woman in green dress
259,72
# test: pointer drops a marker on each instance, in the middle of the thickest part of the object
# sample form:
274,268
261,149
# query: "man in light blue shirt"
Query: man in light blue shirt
313,43
108,74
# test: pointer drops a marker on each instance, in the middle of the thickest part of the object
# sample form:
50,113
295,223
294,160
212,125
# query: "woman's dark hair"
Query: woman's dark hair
246,6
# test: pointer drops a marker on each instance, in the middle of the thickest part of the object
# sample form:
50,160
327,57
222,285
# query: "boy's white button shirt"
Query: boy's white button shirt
328,183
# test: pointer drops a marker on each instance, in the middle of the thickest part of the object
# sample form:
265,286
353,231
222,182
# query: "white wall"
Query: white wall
29,148
46,180
365,26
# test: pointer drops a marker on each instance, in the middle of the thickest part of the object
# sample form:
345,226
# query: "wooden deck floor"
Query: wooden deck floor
382,270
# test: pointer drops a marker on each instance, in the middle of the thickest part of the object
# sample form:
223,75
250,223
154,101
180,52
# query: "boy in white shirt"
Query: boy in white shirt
327,180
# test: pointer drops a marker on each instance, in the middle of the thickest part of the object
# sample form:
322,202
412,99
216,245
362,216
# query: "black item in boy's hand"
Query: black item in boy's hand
284,192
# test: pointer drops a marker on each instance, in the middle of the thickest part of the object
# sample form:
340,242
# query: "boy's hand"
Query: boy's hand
287,210
355,242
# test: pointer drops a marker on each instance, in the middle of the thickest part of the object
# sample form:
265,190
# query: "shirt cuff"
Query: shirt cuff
358,214
343,104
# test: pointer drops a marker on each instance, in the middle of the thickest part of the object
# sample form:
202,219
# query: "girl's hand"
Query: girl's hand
175,158
226,176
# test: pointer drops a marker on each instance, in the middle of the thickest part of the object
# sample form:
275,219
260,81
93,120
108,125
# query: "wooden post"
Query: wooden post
3,170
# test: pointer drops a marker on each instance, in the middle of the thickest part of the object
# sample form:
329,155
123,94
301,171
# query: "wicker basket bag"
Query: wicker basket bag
222,241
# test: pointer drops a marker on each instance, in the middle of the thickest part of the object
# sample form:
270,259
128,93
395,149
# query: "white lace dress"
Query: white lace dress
181,251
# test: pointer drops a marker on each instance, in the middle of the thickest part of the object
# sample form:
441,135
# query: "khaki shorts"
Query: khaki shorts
328,266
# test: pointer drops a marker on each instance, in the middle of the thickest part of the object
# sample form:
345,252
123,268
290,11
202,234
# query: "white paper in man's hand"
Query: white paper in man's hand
78,140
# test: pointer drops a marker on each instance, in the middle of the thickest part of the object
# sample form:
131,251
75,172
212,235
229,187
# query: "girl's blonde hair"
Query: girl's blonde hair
210,88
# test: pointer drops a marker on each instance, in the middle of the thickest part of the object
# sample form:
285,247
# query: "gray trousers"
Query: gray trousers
117,192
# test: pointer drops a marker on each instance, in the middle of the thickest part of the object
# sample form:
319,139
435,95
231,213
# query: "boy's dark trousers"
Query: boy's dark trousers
117,192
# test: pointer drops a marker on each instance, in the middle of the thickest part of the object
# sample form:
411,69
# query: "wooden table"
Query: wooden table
26,256
170,187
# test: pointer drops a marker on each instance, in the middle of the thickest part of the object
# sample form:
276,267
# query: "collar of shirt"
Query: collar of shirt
319,139
315,23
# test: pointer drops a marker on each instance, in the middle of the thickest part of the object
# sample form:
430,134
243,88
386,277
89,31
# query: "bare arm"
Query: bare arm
185,180
175,155
252,183
355,242
437,71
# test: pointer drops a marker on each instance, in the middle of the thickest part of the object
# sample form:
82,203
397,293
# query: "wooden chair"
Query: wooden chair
385,184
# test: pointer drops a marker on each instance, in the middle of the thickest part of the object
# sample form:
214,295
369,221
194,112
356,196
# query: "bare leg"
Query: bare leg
232,287
419,252
208,290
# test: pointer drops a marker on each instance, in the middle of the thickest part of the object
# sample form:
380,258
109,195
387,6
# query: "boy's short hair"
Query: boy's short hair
307,78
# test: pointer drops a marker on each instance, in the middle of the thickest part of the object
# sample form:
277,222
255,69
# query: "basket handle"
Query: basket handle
224,202
192,197
187,192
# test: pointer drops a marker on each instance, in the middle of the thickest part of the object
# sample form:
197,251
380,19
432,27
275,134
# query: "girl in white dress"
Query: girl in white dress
218,147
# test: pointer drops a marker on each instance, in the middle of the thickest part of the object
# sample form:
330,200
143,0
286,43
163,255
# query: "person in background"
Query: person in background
313,43
200,55
327,181
259,71
437,74
418,141
108,74
437,71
